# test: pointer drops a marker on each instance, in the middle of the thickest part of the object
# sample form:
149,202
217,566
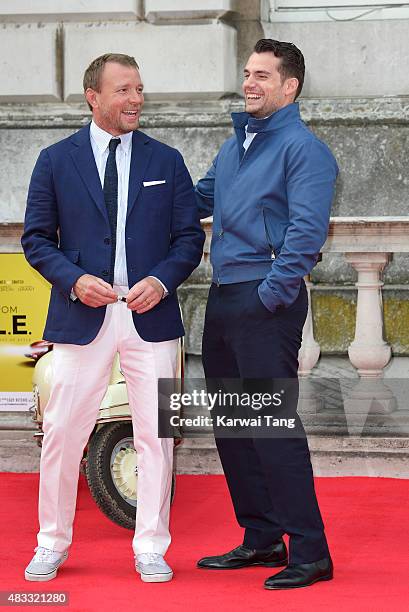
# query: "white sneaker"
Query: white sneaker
44,565
153,568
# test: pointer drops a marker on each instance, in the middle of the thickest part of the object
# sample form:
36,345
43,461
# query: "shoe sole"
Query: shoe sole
155,577
301,586
45,577
282,563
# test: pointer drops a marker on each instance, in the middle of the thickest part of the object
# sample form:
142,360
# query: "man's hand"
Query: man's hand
145,295
94,291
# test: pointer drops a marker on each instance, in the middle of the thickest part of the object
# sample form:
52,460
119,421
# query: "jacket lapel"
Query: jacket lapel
140,157
83,158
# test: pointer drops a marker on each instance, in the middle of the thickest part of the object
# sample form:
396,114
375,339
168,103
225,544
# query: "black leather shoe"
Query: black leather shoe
275,556
302,575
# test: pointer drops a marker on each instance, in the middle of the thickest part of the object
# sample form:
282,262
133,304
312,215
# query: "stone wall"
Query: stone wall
191,56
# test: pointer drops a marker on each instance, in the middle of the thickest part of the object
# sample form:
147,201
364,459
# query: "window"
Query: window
337,10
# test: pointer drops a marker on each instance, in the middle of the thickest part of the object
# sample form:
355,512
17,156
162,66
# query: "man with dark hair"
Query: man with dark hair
270,190
291,60
112,224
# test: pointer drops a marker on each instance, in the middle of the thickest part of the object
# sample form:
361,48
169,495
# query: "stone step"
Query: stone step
331,455
18,451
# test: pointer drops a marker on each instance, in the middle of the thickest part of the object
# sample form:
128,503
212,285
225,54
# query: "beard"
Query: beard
113,121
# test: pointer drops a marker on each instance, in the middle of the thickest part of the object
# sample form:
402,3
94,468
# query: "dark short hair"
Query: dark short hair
292,60
92,75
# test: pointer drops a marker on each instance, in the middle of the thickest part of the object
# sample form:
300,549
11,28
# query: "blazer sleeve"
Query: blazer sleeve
311,172
187,237
40,237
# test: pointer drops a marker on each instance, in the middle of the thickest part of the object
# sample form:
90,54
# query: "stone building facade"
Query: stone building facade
192,54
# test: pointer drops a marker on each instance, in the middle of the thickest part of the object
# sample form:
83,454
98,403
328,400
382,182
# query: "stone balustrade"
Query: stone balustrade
368,429
368,244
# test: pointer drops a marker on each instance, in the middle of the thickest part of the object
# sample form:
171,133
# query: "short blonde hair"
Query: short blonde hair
92,75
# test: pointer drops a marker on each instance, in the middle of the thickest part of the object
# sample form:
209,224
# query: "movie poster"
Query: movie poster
24,297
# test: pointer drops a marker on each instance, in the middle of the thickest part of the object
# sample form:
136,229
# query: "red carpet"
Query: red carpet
367,525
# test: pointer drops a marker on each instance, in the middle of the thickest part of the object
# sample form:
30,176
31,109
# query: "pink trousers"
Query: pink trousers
80,378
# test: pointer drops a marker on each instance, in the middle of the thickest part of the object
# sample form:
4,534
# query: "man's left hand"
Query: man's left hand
145,295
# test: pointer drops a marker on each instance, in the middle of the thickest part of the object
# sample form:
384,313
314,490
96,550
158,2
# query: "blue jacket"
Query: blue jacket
67,233
270,205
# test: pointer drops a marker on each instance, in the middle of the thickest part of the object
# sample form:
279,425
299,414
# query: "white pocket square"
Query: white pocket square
150,183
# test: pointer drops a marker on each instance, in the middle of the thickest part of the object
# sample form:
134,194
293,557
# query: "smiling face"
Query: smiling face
264,89
116,108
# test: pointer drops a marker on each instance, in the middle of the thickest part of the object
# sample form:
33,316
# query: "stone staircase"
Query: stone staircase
370,442
332,455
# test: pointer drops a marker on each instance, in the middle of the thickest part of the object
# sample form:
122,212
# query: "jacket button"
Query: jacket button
221,233
107,240
105,272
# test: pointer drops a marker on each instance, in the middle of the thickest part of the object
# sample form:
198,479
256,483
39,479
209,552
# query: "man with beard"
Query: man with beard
269,190
112,224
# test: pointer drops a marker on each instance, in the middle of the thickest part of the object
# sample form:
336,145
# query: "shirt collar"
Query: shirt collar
102,138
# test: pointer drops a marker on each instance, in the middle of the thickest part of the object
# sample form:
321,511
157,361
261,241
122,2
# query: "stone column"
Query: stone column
309,401
310,349
369,352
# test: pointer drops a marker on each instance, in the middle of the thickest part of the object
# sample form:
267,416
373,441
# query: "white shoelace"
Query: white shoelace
148,558
44,555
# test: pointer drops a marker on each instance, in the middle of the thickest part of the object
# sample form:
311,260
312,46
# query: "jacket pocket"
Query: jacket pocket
156,191
268,237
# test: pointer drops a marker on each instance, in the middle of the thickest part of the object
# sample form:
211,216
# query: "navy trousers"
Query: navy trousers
270,479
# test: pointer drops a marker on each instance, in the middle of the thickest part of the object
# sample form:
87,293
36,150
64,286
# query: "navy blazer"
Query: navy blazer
67,233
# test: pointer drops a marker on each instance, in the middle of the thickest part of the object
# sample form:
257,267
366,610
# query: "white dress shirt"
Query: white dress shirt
249,138
251,135
100,147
